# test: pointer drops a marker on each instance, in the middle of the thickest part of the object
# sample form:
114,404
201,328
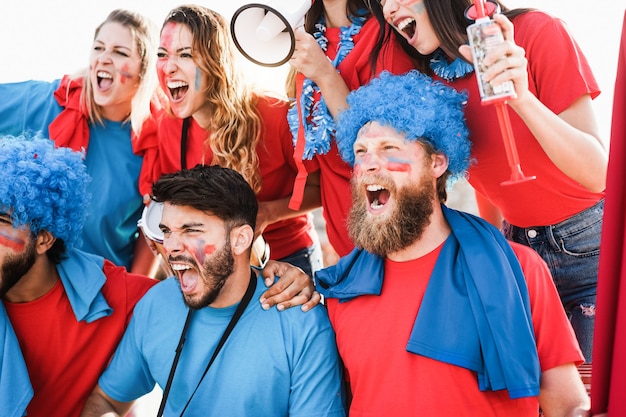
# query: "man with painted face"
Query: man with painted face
237,359
62,311
459,321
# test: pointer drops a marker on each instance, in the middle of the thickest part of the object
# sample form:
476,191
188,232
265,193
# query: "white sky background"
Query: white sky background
45,39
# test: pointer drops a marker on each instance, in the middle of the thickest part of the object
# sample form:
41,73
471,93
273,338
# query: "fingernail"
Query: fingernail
280,307
265,306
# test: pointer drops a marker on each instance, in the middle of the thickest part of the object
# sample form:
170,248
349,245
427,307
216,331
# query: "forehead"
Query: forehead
174,33
374,131
116,34
177,217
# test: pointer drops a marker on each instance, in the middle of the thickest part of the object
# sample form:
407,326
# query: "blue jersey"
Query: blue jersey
111,226
272,364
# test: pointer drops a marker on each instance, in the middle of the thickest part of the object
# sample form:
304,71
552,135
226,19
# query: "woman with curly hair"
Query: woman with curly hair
217,119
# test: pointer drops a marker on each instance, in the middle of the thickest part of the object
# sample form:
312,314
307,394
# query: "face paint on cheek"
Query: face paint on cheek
356,170
398,165
125,74
12,242
201,251
161,73
198,81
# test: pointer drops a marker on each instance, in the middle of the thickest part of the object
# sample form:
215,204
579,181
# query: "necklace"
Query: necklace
449,70
318,124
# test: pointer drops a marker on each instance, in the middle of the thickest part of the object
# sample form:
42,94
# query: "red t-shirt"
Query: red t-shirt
334,172
386,380
64,357
276,163
558,74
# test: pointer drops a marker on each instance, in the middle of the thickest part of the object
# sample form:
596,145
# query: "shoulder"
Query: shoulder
538,23
270,104
120,281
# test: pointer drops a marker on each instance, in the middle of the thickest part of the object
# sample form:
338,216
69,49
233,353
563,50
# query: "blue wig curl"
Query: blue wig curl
415,105
43,187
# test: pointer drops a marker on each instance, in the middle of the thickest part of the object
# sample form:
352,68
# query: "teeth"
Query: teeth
406,22
176,84
374,187
103,74
179,267
376,205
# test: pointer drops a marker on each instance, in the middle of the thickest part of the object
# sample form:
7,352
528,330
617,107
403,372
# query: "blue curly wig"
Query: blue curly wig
43,187
413,104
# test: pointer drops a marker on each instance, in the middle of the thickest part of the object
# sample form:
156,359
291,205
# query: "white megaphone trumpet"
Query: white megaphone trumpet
264,32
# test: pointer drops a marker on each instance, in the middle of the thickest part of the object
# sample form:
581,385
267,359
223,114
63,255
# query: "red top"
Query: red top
276,163
64,357
386,380
558,74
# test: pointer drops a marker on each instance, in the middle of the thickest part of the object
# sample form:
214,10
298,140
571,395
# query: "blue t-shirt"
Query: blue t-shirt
110,229
272,364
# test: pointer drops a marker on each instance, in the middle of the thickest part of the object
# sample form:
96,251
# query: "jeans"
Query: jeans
308,259
571,249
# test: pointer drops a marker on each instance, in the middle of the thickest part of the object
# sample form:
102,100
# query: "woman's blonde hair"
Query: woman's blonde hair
235,126
144,33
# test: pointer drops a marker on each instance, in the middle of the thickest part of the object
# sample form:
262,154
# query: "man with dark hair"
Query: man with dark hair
63,311
212,351
460,322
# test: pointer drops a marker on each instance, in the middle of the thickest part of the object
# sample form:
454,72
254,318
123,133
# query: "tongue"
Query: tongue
383,197
188,280
105,83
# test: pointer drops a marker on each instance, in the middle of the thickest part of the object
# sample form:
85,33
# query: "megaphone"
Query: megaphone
263,32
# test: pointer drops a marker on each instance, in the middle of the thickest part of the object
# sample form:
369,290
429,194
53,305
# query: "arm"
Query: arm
99,404
562,393
570,139
309,59
487,210
276,210
293,287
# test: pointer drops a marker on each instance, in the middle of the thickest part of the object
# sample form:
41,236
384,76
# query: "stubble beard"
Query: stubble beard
214,273
15,267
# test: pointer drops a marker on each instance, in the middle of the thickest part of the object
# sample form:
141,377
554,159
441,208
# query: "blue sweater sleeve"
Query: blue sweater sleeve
28,107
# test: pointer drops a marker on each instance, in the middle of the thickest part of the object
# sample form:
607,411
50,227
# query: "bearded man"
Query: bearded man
197,335
435,313
62,311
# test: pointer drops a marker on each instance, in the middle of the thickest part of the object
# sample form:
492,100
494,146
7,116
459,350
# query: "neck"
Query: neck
335,13
236,285
36,283
117,113
434,235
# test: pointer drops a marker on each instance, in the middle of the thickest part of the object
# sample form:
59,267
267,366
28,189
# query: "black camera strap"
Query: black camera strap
231,325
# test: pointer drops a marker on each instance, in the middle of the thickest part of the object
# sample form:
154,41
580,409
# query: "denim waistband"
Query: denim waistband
588,218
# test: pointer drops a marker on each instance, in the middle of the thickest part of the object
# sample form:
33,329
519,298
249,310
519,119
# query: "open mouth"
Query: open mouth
187,276
105,80
407,26
377,196
177,89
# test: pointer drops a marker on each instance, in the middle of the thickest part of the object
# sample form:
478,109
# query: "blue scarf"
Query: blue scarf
82,277
318,124
486,326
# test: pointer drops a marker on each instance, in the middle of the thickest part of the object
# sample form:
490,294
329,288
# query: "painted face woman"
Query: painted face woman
105,111
217,119
559,214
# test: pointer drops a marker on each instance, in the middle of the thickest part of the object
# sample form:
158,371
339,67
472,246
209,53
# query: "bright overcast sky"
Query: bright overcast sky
44,39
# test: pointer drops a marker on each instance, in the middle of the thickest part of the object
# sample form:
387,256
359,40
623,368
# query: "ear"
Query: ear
45,240
241,238
439,164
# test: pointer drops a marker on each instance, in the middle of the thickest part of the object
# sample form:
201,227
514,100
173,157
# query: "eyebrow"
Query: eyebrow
179,50
115,46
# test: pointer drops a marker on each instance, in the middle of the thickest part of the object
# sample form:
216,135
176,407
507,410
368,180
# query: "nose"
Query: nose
172,243
390,7
171,65
369,162
105,56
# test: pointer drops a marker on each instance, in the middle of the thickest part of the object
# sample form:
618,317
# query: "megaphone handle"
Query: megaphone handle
297,196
